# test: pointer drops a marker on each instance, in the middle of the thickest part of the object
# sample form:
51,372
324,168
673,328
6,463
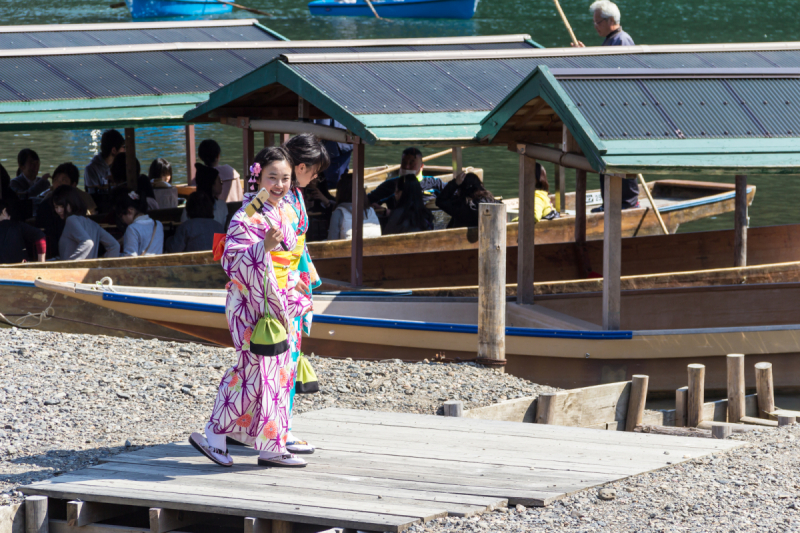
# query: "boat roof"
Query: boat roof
658,121
147,74
447,97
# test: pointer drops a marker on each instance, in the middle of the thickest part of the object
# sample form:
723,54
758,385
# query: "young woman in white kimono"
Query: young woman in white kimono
253,401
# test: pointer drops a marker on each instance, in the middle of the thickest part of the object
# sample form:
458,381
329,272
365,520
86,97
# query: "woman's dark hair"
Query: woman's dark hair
208,151
200,205
541,181
414,210
23,156
124,200
70,170
307,148
144,188
344,192
268,156
472,187
205,178
67,197
119,169
159,168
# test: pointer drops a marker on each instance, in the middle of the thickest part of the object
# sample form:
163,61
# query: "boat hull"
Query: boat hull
176,8
448,9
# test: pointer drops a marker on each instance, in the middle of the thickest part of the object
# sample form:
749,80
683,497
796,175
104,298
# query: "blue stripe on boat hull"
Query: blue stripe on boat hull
449,9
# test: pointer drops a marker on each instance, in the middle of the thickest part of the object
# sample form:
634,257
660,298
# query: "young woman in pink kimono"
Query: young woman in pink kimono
253,401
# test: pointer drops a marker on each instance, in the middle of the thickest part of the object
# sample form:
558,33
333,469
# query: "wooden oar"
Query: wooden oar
425,159
369,3
245,8
566,23
653,203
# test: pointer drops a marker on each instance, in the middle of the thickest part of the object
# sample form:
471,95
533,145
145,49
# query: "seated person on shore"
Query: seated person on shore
209,153
96,173
460,199
208,181
411,163
197,233
82,237
341,226
160,175
409,214
143,236
28,185
46,217
19,241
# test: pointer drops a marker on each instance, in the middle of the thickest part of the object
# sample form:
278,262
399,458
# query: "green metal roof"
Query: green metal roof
628,121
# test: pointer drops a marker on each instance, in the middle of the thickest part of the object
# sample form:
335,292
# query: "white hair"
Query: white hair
607,9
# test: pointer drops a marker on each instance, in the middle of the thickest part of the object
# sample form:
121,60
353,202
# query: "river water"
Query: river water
647,21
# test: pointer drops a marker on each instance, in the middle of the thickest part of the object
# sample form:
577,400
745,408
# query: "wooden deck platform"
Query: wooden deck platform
372,471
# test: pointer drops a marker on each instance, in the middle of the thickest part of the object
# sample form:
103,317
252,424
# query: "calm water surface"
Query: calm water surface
647,21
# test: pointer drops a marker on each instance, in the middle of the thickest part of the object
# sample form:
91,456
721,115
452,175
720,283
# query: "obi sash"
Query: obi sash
285,262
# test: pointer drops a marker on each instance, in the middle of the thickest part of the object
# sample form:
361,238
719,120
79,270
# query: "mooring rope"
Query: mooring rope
47,314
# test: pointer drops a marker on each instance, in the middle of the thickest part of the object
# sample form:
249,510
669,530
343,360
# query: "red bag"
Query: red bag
219,245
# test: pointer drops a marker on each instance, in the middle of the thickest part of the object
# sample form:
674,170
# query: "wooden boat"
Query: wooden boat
555,342
428,9
176,8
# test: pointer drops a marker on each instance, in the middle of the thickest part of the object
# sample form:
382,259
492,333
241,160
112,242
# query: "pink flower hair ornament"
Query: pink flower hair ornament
255,172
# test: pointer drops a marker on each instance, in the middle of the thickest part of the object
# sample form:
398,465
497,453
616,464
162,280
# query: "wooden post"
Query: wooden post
735,387
527,226
694,408
357,244
280,526
257,525
545,407
303,108
453,408
458,162
285,137
636,401
492,284
784,420
248,150
163,520
190,153
740,223
719,431
269,139
765,390
580,206
81,514
681,404
561,188
130,159
36,516
612,252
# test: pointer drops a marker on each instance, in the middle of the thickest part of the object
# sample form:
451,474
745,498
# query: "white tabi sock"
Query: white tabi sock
215,440
290,437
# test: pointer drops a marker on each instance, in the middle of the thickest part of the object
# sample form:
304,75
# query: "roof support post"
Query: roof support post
303,108
357,244
740,218
612,251
285,137
269,139
248,150
130,158
561,186
527,225
580,206
458,162
190,153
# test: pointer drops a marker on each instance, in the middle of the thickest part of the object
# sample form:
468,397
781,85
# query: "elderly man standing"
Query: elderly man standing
606,23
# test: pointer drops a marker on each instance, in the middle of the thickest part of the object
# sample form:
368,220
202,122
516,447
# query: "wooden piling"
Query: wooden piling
527,225
765,389
735,387
740,223
257,525
612,252
636,402
492,285
694,409
190,153
681,404
357,242
132,177
36,516
786,420
545,407
719,431
454,408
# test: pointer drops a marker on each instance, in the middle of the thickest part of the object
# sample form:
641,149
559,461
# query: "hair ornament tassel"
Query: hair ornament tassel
133,195
255,171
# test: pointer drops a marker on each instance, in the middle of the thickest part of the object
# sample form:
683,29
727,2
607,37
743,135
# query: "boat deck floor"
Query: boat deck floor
377,471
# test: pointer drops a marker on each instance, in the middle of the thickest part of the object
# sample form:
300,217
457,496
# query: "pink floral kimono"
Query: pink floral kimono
253,402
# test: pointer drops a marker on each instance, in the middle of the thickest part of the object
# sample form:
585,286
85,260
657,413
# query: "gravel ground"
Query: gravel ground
68,400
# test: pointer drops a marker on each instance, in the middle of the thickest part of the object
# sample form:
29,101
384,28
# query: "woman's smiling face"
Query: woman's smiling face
276,178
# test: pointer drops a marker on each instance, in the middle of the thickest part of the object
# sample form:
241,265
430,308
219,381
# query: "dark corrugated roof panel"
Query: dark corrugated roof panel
688,108
773,59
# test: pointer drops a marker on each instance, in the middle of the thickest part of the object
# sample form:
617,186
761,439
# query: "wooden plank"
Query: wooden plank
527,228
84,513
163,520
590,406
612,252
538,316
61,526
222,504
516,410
